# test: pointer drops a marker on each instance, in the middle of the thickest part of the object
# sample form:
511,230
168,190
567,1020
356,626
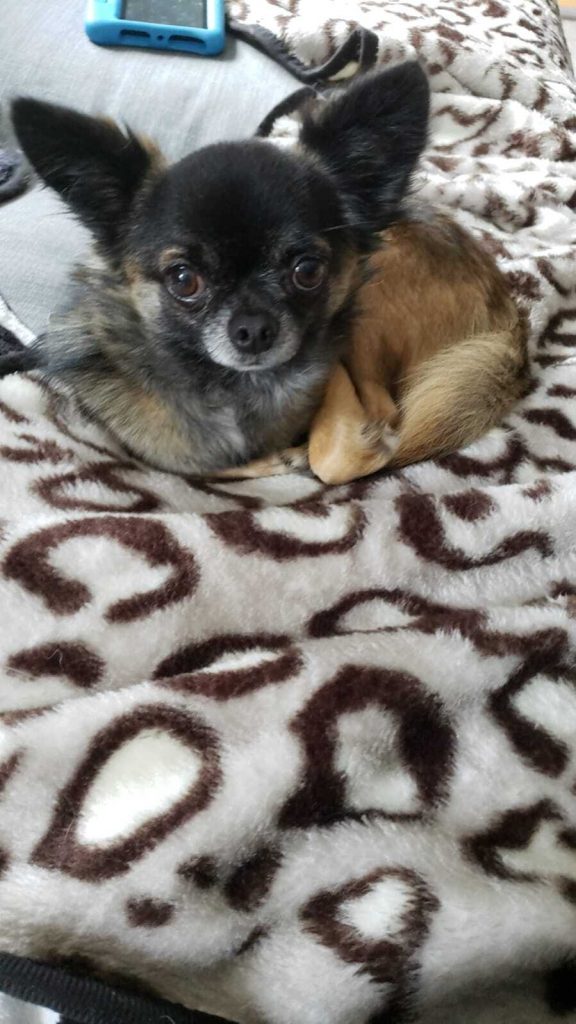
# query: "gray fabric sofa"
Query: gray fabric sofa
181,101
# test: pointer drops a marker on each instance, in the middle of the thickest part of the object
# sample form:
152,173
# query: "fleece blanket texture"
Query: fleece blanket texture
297,754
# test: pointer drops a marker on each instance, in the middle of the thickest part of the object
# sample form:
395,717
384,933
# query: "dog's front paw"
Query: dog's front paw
291,460
354,453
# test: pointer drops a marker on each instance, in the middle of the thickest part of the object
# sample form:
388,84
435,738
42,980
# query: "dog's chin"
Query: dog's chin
251,363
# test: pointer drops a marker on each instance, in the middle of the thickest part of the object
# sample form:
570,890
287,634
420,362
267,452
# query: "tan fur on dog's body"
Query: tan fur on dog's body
437,357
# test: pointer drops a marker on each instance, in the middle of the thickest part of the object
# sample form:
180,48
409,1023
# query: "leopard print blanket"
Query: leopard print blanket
291,753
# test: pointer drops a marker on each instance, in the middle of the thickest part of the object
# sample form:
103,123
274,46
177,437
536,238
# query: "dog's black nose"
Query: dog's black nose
253,332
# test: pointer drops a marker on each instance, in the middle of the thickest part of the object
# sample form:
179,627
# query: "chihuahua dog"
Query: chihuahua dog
247,295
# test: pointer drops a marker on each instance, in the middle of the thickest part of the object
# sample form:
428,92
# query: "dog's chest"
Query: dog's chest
277,411
258,415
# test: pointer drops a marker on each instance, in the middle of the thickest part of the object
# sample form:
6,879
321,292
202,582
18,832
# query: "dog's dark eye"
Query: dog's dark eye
308,273
183,283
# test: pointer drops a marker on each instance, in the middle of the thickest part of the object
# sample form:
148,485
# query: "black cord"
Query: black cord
80,999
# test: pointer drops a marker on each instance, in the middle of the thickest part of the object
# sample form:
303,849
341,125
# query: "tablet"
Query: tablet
192,26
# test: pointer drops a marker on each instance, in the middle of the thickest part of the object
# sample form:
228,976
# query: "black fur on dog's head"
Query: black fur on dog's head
240,260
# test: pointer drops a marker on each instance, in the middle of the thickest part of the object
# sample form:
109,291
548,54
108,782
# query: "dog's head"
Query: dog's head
242,253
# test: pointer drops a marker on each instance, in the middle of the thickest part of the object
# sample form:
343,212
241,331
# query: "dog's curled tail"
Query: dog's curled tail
460,393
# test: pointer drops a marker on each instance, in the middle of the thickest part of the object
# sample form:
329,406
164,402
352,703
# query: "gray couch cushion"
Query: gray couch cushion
180,100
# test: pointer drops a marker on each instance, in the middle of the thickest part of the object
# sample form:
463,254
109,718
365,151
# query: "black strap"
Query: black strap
81,999
13,173
286,107
9,343
361,48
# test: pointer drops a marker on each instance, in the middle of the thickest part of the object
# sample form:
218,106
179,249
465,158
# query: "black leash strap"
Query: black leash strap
84,1000
13,173
360,48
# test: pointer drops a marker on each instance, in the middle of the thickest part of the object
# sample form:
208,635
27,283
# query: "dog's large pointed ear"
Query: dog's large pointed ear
96,168
369,136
